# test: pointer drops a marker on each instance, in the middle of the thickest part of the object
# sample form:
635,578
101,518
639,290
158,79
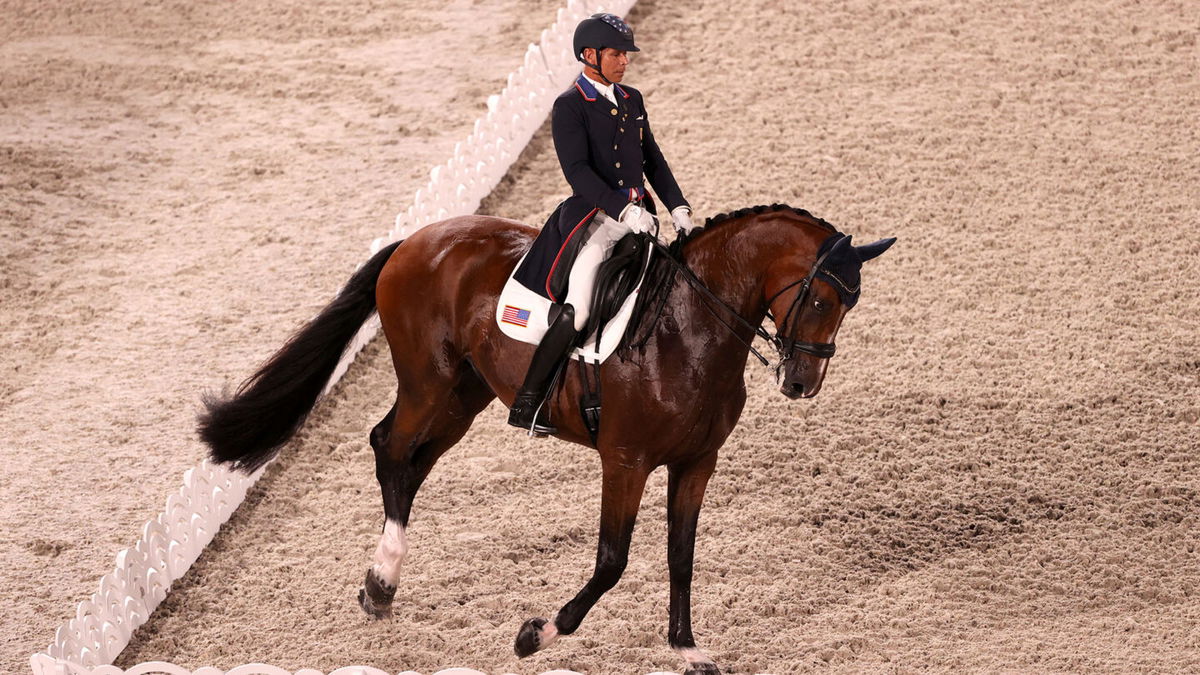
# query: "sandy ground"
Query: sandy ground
1001,473
180,185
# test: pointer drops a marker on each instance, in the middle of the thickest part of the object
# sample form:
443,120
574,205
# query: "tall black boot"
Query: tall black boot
555,344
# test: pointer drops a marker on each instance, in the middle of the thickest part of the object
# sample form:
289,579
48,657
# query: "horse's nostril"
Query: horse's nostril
797,388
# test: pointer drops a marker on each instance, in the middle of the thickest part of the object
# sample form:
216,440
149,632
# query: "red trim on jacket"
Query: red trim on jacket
564,245
581,93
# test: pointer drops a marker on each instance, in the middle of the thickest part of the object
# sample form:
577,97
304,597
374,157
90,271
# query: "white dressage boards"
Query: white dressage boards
171,542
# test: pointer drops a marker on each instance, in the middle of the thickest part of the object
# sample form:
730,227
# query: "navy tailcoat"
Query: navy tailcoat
604,151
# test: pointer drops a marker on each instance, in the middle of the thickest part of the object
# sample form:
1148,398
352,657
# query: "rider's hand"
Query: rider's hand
637,219
682,215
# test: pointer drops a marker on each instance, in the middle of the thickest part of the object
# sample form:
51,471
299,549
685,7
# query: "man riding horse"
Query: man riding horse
604,145
436,294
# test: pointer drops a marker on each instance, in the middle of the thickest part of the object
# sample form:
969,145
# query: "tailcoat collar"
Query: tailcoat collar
588,91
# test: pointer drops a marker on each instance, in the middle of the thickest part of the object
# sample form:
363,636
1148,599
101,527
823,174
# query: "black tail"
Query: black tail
248,429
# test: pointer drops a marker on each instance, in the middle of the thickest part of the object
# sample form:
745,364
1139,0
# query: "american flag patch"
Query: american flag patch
515,315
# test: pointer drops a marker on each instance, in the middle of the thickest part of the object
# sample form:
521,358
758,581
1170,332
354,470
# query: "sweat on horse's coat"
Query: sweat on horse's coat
673,401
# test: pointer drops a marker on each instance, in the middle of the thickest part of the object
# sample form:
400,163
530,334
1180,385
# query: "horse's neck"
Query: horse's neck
732,260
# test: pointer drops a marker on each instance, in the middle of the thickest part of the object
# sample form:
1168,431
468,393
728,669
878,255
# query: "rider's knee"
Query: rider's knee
578,317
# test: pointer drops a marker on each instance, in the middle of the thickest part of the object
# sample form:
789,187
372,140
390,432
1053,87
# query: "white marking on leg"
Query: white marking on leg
390,555
694,656
547,635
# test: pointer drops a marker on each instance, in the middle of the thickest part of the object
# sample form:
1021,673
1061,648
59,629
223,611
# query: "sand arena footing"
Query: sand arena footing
171,542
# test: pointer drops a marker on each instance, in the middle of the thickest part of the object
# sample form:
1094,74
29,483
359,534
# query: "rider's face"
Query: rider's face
613,63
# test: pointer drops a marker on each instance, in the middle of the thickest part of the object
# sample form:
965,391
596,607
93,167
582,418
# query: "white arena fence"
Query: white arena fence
170,543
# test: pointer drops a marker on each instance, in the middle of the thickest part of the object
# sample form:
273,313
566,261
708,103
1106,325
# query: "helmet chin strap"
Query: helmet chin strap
596,67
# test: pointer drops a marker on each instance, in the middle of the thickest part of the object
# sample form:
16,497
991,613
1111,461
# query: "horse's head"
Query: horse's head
808,295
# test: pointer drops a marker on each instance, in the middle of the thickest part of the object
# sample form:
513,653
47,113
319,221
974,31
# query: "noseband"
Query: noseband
786,346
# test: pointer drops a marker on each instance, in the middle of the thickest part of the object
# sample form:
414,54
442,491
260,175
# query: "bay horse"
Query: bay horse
672,400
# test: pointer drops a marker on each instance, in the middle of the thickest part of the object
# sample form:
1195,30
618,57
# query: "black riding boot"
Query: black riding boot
555,344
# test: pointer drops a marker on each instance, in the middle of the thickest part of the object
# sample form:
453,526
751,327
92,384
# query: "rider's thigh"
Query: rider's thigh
583,278
608,232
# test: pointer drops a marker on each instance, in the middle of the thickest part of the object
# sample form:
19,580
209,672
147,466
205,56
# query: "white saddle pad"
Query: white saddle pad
522,315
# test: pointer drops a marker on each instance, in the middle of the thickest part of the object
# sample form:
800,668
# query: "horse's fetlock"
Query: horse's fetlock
681,643
698,662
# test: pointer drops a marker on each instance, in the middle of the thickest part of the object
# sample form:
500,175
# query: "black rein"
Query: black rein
785,346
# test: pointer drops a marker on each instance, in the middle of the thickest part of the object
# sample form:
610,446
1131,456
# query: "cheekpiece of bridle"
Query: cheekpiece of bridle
786,345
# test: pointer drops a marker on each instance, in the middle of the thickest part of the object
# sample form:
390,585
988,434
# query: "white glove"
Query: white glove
637,219
682,216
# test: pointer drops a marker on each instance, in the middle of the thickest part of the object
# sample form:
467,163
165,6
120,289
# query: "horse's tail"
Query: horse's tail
247,429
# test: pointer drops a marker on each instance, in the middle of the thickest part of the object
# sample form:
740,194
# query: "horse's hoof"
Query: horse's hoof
703,669
532,637
375,597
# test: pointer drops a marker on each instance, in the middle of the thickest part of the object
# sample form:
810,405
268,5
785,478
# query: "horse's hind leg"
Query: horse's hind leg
620,498
407,443
375,597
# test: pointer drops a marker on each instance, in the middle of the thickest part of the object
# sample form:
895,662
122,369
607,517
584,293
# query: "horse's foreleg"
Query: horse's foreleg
620,497
685,494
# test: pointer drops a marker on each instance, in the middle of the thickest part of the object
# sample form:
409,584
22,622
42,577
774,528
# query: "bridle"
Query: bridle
786,346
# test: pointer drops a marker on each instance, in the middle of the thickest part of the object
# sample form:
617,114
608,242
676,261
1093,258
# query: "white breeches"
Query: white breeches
603,233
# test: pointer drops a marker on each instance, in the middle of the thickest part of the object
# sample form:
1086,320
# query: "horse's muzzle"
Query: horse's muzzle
796,390
802,377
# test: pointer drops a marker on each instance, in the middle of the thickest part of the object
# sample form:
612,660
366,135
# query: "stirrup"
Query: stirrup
520,416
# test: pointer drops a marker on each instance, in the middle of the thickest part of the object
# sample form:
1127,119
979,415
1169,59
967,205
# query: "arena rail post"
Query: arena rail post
170,543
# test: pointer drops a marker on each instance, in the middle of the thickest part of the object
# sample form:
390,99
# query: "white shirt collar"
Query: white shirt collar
606,90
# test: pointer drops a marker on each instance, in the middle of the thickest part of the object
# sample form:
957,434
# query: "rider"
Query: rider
604,146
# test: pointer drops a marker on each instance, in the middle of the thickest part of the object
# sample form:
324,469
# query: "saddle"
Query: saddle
523,314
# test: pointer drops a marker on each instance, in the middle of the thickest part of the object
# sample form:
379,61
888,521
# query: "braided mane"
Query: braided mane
740,213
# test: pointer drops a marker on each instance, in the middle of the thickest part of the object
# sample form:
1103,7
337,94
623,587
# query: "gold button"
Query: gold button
621,182
614,147
618,165
613,111
622,129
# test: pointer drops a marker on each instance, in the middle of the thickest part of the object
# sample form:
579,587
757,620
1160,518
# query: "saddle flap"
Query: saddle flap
616,279
523,314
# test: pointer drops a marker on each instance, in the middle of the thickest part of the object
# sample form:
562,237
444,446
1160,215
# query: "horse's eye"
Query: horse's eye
820,305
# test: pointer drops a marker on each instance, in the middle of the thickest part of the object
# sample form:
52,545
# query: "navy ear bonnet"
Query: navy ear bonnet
843,266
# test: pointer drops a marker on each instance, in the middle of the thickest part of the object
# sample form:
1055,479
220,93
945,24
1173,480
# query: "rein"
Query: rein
698,285
785,346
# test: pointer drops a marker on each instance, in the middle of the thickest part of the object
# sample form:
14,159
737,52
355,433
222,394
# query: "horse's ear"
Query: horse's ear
874,249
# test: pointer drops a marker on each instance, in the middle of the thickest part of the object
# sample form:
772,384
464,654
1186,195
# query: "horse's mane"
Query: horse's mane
763,208
661,275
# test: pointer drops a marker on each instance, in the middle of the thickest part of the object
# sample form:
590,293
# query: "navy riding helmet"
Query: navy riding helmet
599,31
